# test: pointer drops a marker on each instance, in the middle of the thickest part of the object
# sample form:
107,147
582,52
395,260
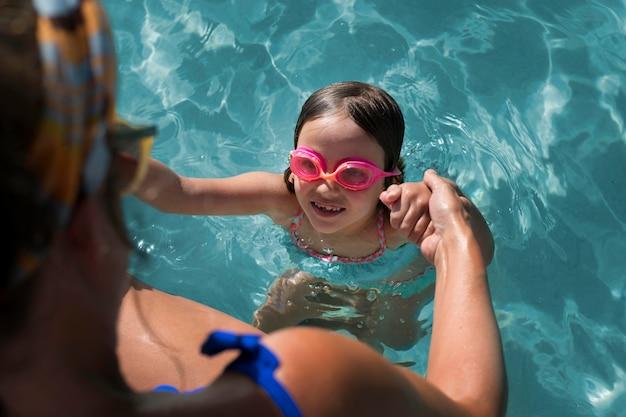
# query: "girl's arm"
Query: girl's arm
249,193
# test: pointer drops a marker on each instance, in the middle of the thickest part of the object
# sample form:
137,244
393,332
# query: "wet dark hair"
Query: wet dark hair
370,107
21,107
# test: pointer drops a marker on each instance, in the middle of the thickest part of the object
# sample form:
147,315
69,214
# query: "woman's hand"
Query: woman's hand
408,209
449,211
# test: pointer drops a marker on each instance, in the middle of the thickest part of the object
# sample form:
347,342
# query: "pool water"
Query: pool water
522,103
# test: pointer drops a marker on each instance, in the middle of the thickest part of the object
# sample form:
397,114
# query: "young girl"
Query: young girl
343,201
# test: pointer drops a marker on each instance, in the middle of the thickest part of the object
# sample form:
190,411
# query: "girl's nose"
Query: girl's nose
328,185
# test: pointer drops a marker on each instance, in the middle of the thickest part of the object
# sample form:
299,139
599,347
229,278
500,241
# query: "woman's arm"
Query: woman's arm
466,360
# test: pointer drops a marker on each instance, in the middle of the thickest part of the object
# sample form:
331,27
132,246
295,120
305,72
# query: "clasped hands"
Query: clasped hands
426,211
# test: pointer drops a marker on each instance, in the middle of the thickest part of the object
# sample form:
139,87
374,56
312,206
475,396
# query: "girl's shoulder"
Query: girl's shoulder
285,215
282,205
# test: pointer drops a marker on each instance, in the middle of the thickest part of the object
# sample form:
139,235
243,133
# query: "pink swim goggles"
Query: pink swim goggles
355,174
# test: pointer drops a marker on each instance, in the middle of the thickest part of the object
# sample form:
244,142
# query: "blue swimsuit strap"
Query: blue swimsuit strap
257,362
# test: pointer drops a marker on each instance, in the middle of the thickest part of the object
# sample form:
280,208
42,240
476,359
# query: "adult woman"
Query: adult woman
65,274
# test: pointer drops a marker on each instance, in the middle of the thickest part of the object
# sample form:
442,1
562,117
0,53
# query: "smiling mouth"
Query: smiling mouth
325,209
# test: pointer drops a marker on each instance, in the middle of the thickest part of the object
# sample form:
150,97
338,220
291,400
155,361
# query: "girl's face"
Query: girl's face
329,207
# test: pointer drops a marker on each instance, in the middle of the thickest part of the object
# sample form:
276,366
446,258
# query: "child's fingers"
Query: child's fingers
430,230
390,196
417,234
395,218
399,212
409,219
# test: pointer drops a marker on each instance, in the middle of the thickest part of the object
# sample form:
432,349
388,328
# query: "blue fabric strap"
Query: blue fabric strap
255,361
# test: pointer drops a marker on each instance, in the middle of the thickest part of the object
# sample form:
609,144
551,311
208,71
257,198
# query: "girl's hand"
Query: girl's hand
408,207
449,208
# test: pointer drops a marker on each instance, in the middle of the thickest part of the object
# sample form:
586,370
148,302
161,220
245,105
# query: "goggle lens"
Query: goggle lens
304,167
352,176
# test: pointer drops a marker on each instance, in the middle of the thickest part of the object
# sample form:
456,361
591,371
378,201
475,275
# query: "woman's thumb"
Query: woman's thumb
432,179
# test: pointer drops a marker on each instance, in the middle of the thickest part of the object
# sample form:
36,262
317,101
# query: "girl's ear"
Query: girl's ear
288,178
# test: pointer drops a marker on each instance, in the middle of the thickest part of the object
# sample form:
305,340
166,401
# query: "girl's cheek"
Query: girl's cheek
297,186
303,186
369,197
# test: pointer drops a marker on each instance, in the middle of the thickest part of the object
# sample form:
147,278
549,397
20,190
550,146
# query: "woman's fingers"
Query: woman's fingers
435,182
445,201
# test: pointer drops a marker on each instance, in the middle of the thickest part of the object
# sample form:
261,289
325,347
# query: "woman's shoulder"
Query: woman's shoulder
152,324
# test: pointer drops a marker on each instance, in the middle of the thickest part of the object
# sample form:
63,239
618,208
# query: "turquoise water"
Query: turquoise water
523,103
